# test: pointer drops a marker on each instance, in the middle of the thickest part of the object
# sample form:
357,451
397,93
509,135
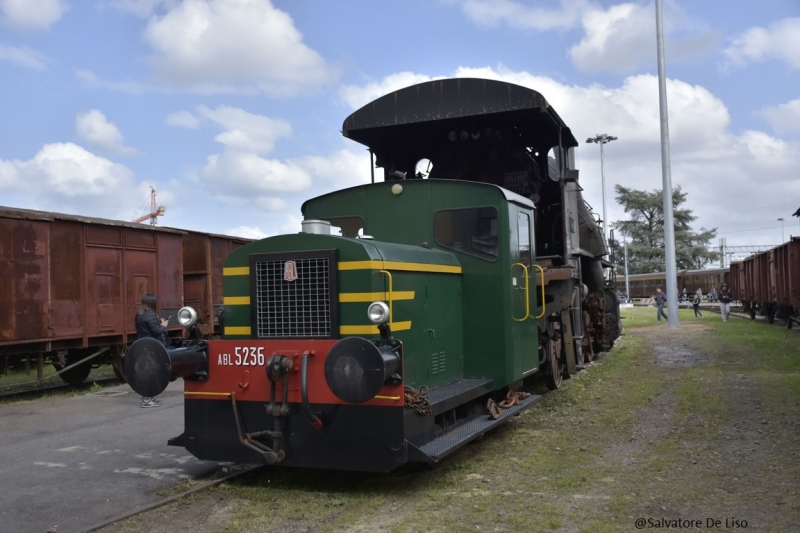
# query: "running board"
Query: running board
455,438
449,396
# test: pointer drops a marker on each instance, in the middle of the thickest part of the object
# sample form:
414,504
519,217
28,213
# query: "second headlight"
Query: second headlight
187,316
378,313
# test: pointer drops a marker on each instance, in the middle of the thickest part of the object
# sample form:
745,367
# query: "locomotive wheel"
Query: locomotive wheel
554,375
77,375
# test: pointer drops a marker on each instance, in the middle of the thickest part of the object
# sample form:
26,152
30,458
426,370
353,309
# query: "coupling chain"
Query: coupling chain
417,399
512,398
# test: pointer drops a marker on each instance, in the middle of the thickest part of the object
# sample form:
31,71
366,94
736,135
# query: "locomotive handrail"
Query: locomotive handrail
543,304
391,311
527,296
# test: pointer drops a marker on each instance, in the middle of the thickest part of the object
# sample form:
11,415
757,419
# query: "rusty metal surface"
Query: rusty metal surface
71,282
794,272
24,280
770,277
203,260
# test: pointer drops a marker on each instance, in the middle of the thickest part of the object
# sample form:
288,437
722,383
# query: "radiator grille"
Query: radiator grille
299,308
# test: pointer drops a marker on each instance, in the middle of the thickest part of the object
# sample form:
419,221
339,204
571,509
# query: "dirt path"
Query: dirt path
697,424
719,442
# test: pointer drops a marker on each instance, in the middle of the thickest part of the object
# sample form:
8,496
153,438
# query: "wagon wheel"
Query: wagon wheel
555,371
76,375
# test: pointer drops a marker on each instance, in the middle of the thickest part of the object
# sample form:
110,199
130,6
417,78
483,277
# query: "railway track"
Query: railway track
779,322
36,390
170,499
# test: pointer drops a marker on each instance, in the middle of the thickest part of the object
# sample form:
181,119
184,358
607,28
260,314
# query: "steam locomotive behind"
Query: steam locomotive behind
409,315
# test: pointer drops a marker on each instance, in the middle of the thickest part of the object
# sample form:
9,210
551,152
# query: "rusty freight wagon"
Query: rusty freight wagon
70,285
204,257
769,282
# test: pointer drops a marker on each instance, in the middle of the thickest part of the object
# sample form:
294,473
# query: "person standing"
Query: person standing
696,303
661,301
149,325
725,298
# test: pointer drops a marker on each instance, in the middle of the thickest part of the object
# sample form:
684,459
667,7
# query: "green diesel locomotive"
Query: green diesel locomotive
409,314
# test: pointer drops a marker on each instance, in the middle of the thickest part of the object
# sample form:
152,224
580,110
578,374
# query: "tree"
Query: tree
645,231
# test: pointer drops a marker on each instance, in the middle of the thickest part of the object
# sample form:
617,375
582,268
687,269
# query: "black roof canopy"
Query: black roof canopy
417,120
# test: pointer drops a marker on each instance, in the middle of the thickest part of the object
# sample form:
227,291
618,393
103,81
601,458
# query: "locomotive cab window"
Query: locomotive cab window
524,224
472,231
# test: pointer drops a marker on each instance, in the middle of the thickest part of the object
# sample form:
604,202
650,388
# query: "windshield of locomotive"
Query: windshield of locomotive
472,231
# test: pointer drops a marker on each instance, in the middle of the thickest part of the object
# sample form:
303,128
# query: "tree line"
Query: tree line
644,232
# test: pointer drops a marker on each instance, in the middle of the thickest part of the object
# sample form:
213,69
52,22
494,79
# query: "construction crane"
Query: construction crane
155,212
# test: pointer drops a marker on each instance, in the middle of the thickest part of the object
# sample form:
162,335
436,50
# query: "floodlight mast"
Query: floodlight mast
601,139
666,176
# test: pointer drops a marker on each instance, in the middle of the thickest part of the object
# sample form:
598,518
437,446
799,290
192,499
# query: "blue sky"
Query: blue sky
232,109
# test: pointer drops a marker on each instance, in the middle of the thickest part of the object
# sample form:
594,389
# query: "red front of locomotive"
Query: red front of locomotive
270,401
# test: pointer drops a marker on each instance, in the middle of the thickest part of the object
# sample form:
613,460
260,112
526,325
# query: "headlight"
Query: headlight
187,316
378,313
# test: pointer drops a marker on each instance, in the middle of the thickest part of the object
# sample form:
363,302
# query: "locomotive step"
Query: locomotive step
467,431
449,396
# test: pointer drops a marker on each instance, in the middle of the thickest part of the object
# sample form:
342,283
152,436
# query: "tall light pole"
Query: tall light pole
666,178
601,139
783,238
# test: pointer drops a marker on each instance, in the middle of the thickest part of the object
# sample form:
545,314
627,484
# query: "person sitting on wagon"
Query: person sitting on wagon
149,325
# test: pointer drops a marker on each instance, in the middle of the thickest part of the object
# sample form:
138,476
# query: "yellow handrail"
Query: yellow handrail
543,304
391,311
527,297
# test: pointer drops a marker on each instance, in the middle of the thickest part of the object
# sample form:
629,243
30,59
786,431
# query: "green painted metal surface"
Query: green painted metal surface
453,325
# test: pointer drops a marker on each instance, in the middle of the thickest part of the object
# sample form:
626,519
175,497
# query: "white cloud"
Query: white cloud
341,169
93,80
783,118
247,175
30,15
23,56
233,46
356,96
491,13
240,171
183,119
140,8
269,203
247,232
64,177
780,41
246,131
623,37
94,128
